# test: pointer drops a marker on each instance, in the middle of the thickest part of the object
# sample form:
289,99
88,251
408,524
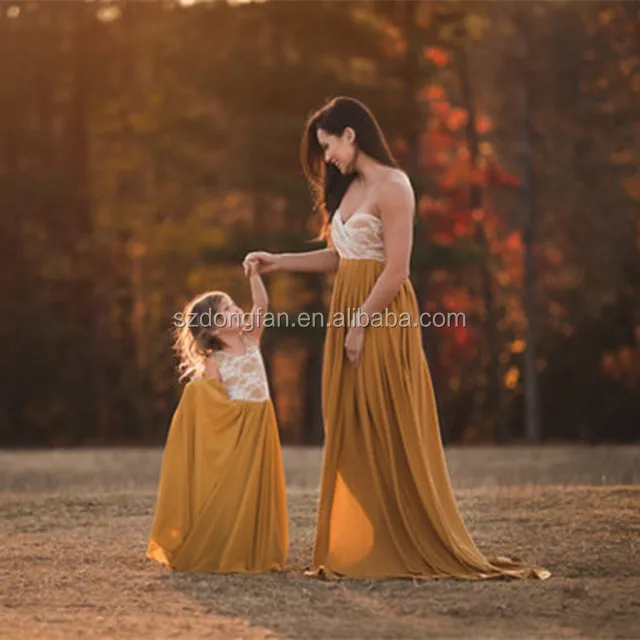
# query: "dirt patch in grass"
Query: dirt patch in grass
74,526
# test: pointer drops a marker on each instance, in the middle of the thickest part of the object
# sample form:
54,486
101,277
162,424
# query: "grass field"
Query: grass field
74,526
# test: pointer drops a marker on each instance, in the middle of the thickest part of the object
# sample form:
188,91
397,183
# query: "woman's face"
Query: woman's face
339,151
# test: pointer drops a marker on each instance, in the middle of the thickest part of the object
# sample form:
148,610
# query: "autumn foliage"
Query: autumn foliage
151,144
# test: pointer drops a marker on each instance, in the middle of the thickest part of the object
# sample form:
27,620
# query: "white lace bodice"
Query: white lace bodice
244,375
359,238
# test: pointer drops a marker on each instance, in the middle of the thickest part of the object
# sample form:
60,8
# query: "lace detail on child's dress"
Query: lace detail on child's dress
244,376
359,238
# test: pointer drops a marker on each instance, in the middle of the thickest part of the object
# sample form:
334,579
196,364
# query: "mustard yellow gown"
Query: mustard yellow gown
387,508
221,504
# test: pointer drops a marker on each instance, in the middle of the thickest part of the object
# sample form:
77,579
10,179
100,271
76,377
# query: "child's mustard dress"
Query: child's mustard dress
221,504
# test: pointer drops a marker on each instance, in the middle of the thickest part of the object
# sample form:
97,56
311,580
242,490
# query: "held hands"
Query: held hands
259,262
250,269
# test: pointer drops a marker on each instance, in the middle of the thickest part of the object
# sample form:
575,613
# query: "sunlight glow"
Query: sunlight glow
13,12
352,534
233,3
239,2
109,14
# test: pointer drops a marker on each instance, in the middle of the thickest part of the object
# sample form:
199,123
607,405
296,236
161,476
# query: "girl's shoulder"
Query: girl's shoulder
251,344
203,389
211,369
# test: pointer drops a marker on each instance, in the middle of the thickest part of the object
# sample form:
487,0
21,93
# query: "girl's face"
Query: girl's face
228,318
339,151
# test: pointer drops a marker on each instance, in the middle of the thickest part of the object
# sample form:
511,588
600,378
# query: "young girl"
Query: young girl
221,503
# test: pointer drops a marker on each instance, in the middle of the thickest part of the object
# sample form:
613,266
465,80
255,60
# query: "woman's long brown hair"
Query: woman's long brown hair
327,183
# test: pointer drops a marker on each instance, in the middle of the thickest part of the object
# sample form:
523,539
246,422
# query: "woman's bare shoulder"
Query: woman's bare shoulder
398,177
396,187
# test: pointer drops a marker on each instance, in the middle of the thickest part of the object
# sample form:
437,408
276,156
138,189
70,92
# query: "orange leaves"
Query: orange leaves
606,16
444,238
508,248
457,119
478,175
432,92
624,157
461,336
511,377
497,176
444,149
556,310
459,344
437,56
428,205
514,241
632,186
518,346
445,116
477,215
464,223
453,215
440,109
456,171
483,124
400,145
623,364
436,141
460,229
452,176
554,257
449,225
457,300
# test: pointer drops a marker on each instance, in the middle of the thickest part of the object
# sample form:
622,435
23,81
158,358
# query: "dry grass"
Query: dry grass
74,528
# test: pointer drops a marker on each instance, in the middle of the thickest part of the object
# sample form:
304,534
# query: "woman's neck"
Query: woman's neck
369,170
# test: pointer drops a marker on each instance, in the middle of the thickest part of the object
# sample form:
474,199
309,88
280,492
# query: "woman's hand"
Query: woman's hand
258,262
353,344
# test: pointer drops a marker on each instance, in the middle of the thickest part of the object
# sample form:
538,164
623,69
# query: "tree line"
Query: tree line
146,147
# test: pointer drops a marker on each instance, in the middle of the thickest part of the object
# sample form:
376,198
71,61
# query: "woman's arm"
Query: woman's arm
396,205
319,261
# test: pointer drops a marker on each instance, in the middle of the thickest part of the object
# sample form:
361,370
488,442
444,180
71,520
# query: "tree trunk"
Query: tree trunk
412,82
529,204
15,278
81,230
490,417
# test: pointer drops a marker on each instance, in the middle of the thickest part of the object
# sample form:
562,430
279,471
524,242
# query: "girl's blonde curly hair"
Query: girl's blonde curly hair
194,341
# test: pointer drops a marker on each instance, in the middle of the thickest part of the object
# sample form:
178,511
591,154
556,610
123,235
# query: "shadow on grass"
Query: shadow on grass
580,535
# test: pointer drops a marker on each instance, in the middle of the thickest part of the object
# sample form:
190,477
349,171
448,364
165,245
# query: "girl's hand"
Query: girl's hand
354,343
258,262
250,268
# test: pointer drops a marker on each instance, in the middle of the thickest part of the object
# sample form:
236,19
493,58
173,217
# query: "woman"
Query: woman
386,508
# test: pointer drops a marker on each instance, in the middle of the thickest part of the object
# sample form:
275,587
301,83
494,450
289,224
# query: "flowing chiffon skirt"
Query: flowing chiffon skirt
221,504
387,508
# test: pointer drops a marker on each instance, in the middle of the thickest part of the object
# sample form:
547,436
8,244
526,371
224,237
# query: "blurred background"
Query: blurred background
146,146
